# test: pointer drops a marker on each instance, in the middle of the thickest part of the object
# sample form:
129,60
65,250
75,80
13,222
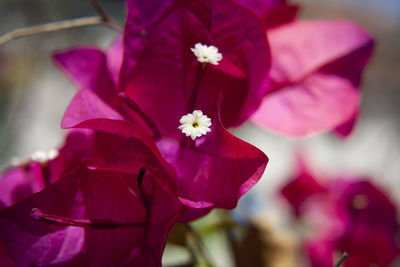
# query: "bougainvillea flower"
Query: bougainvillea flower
313,83
92,218
113,203
29,176
206,178
32,175
351,215
369,229
315,75
373,224
168,82
165,76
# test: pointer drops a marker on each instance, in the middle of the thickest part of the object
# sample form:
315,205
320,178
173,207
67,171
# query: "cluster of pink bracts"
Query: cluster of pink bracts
128,173
345,214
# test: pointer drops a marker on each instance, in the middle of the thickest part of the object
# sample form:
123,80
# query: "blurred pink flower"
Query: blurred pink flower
351,215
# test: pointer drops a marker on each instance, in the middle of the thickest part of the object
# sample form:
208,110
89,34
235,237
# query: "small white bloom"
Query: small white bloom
16,161
206,54
43,155
195,124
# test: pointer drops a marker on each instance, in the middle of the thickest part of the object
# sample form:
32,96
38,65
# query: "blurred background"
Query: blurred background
34,95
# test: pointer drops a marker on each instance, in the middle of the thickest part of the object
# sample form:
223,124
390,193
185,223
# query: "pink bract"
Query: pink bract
315,75
120,221
272,12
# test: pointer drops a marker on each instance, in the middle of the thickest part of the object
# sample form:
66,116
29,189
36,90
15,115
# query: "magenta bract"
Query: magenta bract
91,217
167,75
273,12
315,75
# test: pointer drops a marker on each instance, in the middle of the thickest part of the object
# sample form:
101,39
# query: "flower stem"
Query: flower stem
341,260
105,18
198,246
193,97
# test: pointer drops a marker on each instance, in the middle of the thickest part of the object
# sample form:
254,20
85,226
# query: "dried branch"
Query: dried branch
106,19
103,18
341,260
99,9
50,27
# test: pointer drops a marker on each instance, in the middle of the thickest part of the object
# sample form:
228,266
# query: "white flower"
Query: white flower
43,155
195,124
206,54
16,161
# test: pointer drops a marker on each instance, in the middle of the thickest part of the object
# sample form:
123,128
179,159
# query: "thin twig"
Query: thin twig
53,26
100,10
341,260
102,13
65,24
